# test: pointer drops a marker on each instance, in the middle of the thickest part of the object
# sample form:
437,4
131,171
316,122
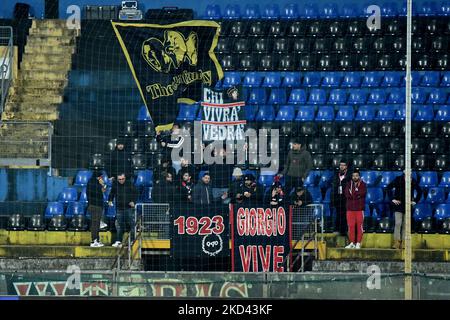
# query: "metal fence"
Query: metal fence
155,220
6,63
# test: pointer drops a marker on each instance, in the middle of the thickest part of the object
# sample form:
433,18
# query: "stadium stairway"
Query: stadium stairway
37,91
37,250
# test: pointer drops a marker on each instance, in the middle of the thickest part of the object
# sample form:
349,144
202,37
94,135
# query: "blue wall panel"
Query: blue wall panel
3,185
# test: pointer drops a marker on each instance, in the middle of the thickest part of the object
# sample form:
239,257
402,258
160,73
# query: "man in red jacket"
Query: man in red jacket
355,193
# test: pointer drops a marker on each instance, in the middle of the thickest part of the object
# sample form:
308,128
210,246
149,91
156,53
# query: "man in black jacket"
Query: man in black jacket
202,193
252,193
398,205
94,191
185,188
164,190
338,200
120,160
125,194
301,197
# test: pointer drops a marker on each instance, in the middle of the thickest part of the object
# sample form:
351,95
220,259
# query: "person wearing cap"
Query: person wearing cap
297,167
120,160
338,200
235,188
202,193
251,191
301,197
277,196
95,189
355,192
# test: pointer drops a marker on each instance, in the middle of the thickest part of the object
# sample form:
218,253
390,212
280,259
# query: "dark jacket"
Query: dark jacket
278,198
191,170
202,194
298,163
94,192
163,192
305,198
220,175
185,190
123,193
399,194
158,174
234,189
355,195
338,198
256,194
119,162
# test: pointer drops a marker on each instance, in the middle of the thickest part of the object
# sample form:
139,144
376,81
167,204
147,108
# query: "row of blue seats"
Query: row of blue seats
311,10
335,79
328,113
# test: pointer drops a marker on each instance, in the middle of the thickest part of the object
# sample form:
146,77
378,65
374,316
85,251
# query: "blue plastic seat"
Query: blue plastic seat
371,178
326,177
377,96
291,80
357,96
385,113
252,79
257,96
374,196
327,198
427,9
250,112
389,9
265,113
332,80
309,11
422,211
400,113
111,211
187,112
266,180
212,12
251,11
329,11
396,96
232,11
428,179
387,177
430,79
82,178
416,77
435,195
271,12
437,96
445,82
350,10
365,113
297,96
54,209
316,194
445,180
312,79
317,96
444,9
424,113
231,79
143,114
391,79
372,79
442,211
277,96
290,11
337,96
418,95
325,113
443,113
351,80
144,178
68,194
272,80
345,113
75,209
305,113
286,113
312,179
83,196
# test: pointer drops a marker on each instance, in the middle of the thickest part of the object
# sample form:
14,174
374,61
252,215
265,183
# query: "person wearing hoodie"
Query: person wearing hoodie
120,160
301,197
202,193
355,194
398,206
95,189
297,167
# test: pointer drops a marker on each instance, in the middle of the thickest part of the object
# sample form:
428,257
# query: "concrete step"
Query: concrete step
53,32
385,266
47,58
37,84
44,66
30,116
36,99
32,106
35,48
50,41
24,90
368,254
49,23
61,264
52,251
43,75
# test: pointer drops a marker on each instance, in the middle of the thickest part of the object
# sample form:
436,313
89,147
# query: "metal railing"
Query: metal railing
6,63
